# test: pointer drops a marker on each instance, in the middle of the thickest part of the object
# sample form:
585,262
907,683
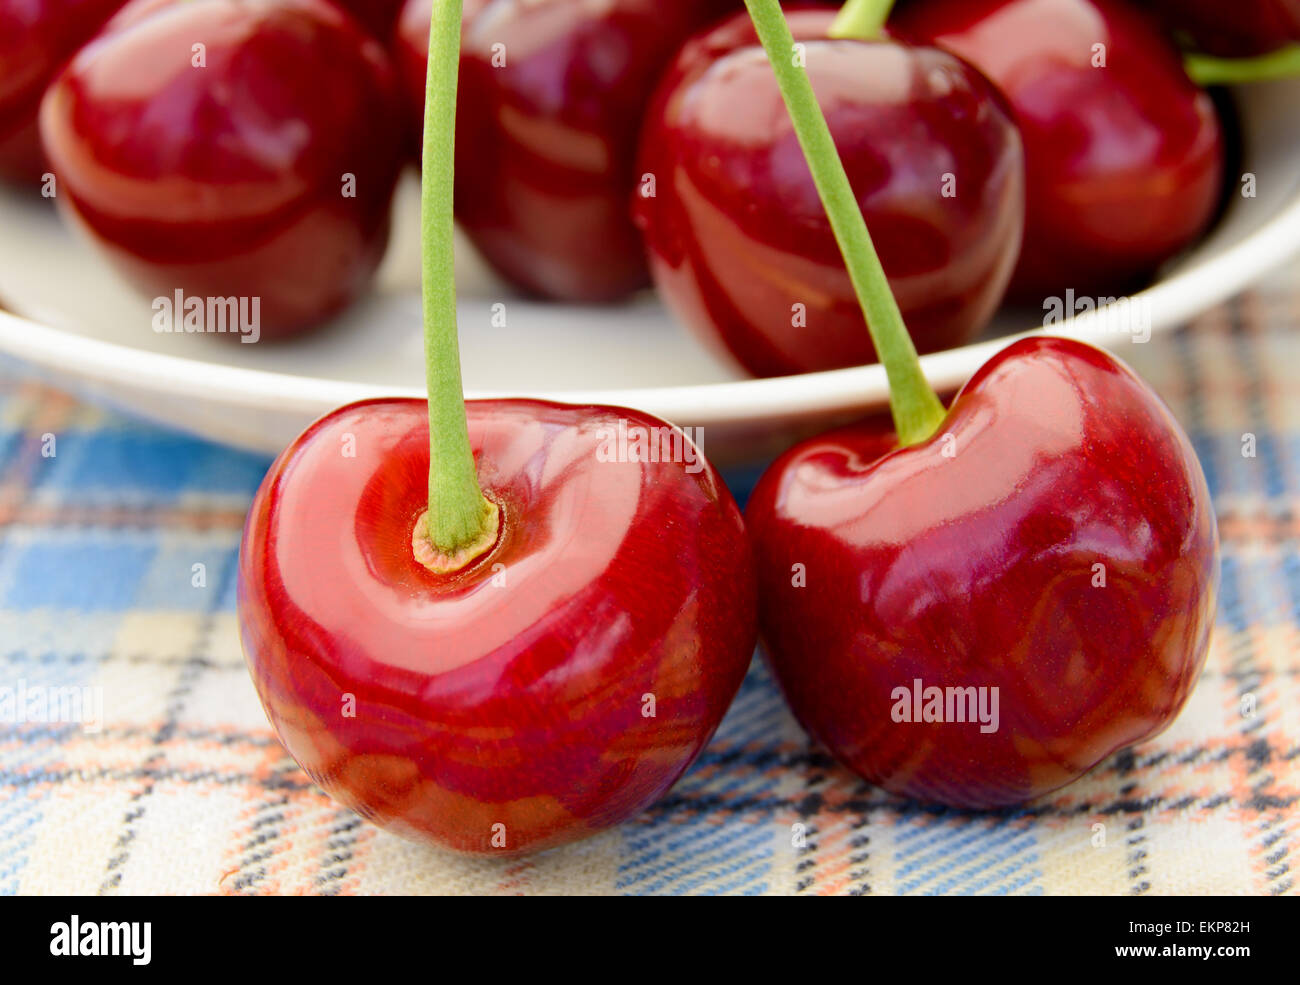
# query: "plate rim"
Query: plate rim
862,388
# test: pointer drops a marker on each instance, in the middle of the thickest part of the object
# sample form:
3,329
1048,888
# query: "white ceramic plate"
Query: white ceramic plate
77,325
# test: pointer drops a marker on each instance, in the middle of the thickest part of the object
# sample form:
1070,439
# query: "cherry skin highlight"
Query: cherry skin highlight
36,39
739,243
557,686
1054,540
267,173
1125,161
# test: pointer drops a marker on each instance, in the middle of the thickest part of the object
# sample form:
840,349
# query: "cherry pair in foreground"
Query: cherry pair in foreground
232,149
36,38
501,635
738,240
552,97
1125,155
980,608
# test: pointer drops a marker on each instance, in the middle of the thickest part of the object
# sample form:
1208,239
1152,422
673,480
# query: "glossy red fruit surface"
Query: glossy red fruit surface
739,242
232,179
971,561
1125,161
551,99
410,46
515,692
1233,28
36,38
377,16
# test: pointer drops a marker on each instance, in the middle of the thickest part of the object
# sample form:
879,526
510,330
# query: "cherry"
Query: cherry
1241,29
739,243
1064,555
979,608
377,16
411,54
515,691
1124,154
36,38
551,96
259,165
500,626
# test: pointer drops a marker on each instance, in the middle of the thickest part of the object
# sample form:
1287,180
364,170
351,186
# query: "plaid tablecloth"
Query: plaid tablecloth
105,522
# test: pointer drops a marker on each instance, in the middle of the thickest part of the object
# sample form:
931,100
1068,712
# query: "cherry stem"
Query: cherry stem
916,408
459,514
861,19
1206,70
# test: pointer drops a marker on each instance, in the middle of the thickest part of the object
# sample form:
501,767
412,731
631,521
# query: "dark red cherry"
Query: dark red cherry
232,149
1124,154
411,55
1052,548
739,243
552,94
36,38
559,685
377,16
1233,30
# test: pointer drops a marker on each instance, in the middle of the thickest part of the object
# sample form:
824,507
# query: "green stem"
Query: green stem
459,514
1207,70
917,410
861,19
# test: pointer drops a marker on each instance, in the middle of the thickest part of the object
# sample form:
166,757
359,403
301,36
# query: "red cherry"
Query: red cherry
1053,540
411,55
36,38
551,99
559,685
739,243
1233,30
377,16
231,179
1125,161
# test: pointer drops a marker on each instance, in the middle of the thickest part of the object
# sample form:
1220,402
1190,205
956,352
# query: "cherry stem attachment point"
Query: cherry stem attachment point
1206,70
863,20
459,515
916,408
